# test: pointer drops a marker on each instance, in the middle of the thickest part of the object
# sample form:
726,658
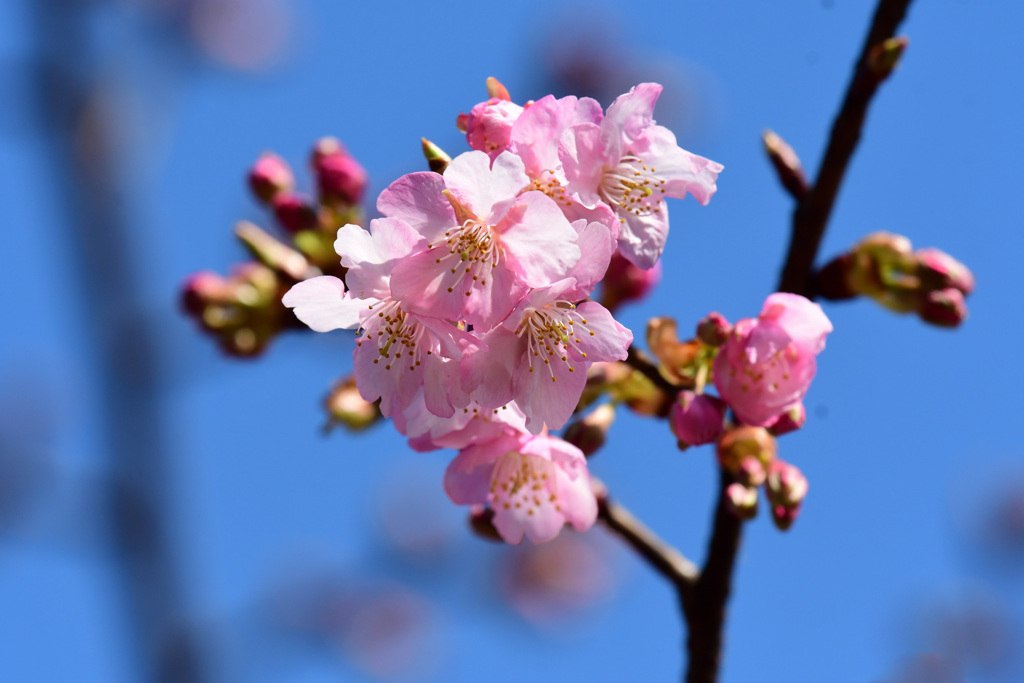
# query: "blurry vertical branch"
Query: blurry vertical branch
85,177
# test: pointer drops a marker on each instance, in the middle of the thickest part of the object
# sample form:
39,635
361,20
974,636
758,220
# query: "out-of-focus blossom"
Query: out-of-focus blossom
589,433
944,307
741,500
742,442
713,329
340,178
625,282
294,212
270,176
766,366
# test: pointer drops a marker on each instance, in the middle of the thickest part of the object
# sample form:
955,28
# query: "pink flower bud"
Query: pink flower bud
939,270
742,442
784,516
200,289
294,213
751,472
786,484
623,282
270,176
696,419
944,307
766,366
713,329
340,178
790,421
741,501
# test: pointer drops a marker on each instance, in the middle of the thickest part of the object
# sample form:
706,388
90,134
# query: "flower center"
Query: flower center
549,184
473,251
522,482
400,341
632,187
554,333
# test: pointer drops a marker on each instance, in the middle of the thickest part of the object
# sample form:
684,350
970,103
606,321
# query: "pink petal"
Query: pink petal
628,116
802,319
610,340
596,246
416,199
483,188
583,160
541,244
320,302
549,394
683,171
642,238
370,256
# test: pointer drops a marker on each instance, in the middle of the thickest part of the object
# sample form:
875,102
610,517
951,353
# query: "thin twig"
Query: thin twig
665,559
811,215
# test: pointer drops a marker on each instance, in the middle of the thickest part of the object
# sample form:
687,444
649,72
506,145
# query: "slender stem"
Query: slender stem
812,213
665,559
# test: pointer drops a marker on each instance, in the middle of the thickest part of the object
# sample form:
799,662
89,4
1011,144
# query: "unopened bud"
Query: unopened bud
751,472
741,501
496,89
786,484
784,516
345,406
786,163
713,329
938,270
340,178
200,289
832,282
742,442
623,282
270,176
462,122
481,523
790,421
883,58
589,433
274,253
696,419
294,213
944,308
437,159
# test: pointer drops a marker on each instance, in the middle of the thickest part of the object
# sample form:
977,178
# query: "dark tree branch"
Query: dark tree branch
665,559
812,213
705,612
642,363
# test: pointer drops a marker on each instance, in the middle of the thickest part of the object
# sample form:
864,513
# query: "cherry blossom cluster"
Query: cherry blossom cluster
471,292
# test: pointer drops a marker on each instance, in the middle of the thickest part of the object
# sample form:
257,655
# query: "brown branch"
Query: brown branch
812,213
705,609
665,559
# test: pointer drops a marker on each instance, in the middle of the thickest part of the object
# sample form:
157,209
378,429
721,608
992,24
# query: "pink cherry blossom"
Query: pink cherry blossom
489,126
539,356
397,352
767,363
534,484
631,164
487,244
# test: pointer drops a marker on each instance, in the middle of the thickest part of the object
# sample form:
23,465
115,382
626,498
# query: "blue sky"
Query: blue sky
911,428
